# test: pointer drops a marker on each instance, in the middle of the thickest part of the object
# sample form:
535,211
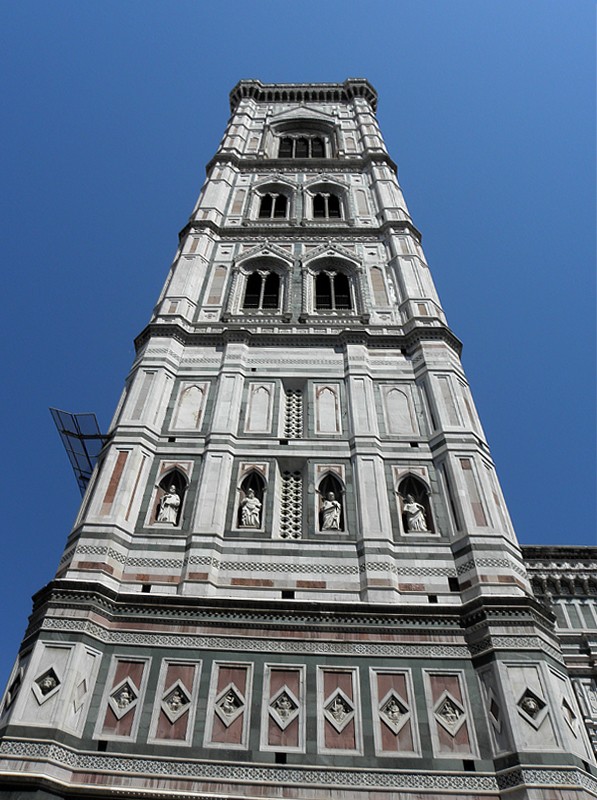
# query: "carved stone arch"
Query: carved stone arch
251,493
296,123
273,185
412,491
264,263
167,510
326,187
331,490
341,271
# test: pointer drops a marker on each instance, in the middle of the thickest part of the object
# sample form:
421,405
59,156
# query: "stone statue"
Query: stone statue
47,684
330,513
169,505
415,515
530,706
124,698
250,511
176,700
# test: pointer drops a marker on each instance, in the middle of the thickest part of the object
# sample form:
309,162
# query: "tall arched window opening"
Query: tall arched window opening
262,290
326,206
273,206
332,291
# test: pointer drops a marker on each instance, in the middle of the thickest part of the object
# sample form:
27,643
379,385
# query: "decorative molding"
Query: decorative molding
301,776
247,645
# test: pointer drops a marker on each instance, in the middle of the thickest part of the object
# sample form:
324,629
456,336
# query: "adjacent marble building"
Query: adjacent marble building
293,574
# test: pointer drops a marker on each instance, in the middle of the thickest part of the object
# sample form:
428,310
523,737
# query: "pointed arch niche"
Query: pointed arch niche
190,406
331,514
414,505
167,508
250,511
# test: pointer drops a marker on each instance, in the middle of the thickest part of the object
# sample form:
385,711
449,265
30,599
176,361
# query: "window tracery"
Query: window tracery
302,146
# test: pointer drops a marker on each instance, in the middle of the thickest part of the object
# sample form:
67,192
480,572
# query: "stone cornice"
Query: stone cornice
301,233
355,164
301,93
287,335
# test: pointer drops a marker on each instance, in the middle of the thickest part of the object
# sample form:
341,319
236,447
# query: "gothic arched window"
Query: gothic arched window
331,512
273,206
332,291
301,147
326,206
262,290
414,500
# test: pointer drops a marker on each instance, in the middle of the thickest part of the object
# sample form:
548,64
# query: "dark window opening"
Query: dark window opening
253,291
317,148
453,584
280,758
273,206
286,147
262,290
301,147
146,588
332,291
287,594
432,598
326,206
319,206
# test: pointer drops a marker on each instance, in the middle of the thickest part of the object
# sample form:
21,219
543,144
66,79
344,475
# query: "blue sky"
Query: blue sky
111,111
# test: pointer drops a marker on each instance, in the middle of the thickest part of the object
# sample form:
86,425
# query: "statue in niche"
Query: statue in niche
169,506
250,510
330,511
415,515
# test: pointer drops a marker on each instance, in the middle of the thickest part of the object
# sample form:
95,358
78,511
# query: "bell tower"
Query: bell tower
293,573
